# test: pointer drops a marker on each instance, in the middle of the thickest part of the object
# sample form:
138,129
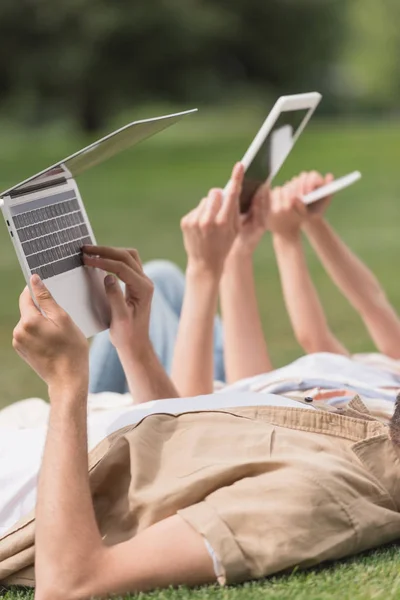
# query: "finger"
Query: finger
136,257
43,297
128,257
329,177
115,297
27,307
300,207
276,198
118,254
302,183
124,272
211,207
191,216
297,185
260,204
288,195
230,207
187,219
195,214
314,180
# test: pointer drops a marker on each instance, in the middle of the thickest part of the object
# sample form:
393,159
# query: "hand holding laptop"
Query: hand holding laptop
130,310
49,341
48,225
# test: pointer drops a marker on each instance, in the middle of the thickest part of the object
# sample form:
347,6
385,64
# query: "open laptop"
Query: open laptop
48,225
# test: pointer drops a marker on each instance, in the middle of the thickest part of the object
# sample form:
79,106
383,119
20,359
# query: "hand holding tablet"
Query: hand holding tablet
331,188
274,142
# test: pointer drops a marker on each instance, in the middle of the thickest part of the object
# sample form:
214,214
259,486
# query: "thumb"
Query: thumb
115,297
43,297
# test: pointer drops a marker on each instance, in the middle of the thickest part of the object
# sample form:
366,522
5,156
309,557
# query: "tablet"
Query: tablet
274,141
331,188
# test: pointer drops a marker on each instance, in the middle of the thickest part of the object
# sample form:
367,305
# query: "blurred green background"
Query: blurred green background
72,71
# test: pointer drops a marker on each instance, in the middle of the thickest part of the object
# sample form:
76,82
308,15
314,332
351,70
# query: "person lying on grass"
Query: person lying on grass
196,349
197,491
187,498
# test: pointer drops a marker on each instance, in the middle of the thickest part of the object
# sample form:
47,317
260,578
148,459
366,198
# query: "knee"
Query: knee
164,272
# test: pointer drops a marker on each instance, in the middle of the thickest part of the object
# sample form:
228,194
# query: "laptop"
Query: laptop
48,225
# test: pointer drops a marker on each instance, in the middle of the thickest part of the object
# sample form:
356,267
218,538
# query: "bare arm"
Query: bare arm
193,362
147,379
71,560
245,348
209,232
358,285
303,305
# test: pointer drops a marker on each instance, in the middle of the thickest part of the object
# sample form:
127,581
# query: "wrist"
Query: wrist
238,261
199,271
72,390
138,350
314,223
286,237
139,360
240,252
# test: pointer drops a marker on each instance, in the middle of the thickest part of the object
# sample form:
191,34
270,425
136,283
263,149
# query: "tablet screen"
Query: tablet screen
272,154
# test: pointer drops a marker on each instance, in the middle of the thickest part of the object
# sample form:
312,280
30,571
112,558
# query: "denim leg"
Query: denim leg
106,372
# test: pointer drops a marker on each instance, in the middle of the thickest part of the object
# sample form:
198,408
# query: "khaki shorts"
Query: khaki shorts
269,488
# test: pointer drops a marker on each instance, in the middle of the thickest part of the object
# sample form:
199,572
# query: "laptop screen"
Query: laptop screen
98,152
272,153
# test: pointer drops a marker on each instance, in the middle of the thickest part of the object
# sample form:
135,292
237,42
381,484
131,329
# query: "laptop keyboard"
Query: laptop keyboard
52,237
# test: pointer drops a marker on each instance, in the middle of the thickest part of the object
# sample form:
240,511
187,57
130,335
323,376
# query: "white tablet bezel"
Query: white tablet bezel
329,189
308,101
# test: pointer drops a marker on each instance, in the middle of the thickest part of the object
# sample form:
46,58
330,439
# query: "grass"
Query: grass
137,200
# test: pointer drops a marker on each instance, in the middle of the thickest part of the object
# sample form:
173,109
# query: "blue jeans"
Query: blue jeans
106,372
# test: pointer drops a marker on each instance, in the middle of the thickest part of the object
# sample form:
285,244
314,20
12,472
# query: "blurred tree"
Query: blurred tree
369,73
90,57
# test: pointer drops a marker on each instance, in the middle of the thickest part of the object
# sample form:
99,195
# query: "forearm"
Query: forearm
301,299
354,279
146,377
67,535
359,285
193,363
245,348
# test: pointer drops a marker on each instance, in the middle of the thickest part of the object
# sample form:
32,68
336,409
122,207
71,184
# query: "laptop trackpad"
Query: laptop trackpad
81,294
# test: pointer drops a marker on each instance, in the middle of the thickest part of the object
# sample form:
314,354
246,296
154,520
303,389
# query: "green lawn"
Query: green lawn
138,198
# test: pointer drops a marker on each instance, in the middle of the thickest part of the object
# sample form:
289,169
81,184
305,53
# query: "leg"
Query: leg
105,370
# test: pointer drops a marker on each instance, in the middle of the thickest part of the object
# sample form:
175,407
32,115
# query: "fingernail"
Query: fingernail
109,280
37,281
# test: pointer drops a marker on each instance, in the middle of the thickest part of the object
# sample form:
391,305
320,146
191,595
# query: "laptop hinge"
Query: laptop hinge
36,187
